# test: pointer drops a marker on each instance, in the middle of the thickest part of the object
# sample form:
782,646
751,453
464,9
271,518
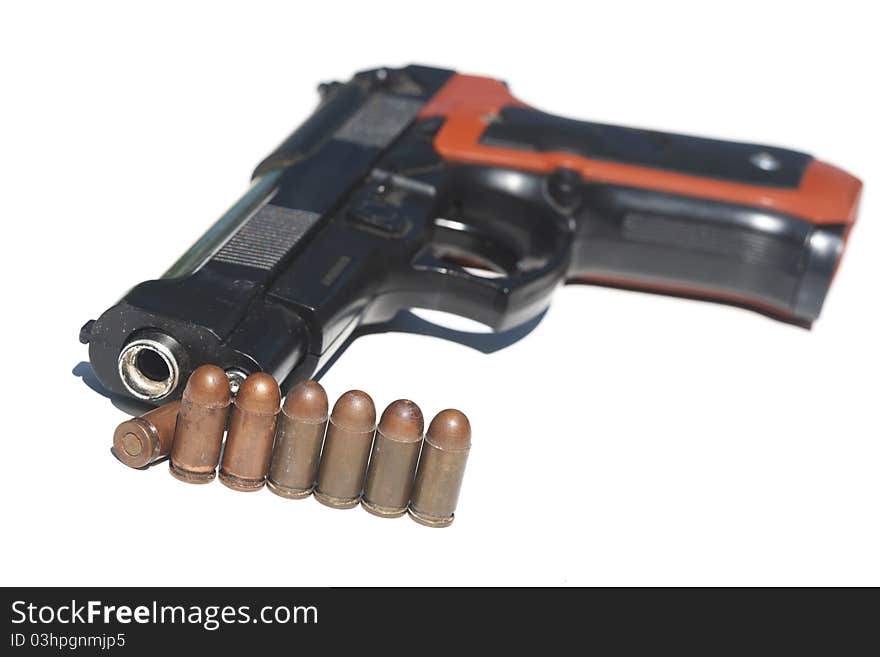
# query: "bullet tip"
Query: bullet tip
402,421
355,411
450,429
307,402
259,394
208,386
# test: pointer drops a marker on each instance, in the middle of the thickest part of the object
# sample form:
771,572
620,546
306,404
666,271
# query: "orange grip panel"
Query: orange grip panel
826,195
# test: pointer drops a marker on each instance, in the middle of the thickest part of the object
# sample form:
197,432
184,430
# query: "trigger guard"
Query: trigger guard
501,303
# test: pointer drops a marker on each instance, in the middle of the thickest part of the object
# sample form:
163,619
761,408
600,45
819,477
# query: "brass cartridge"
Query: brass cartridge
393,460
346,450
251,433
441,469
201,421
298,440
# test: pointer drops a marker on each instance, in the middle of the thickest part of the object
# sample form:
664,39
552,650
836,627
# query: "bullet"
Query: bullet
200,425
251,433
393,460
346,450
143,440
298,440
441,469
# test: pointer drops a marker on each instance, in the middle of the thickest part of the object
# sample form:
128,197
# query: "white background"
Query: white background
630,439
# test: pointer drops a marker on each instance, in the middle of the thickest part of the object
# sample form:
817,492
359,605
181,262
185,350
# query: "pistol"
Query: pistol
422,188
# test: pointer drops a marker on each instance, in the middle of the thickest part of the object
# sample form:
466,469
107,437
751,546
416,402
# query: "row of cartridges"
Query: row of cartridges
298,449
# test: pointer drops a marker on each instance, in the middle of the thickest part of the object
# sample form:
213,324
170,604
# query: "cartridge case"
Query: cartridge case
143,440
201,422
393,460
346,450
441,469
251,433
298,439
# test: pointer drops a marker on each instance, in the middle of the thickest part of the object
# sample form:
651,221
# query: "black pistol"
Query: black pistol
422,188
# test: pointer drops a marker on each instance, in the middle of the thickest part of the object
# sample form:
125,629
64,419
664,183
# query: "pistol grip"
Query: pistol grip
753,225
